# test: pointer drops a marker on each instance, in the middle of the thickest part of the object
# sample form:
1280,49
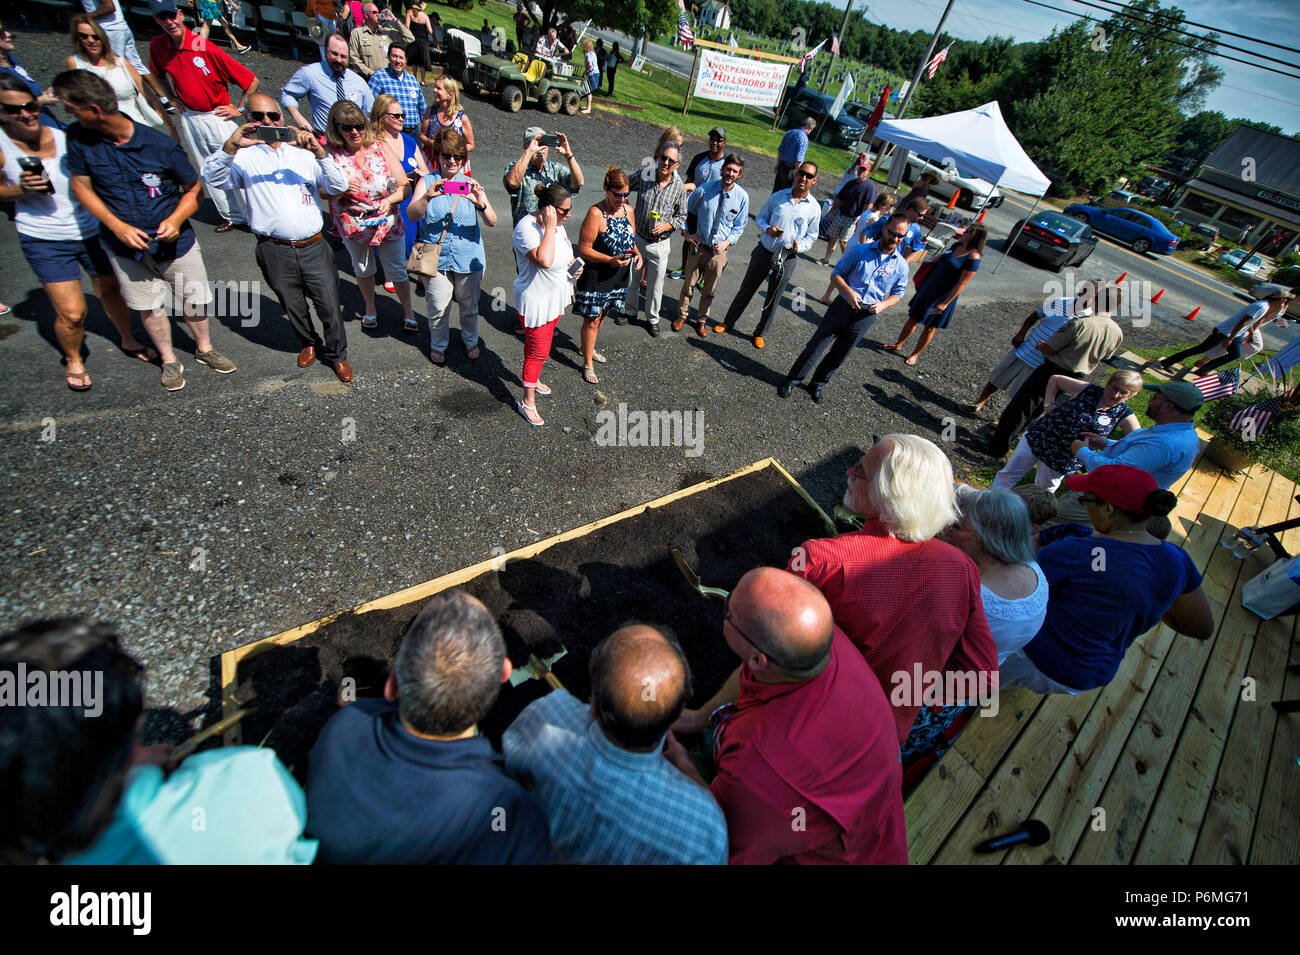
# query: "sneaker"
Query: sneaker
654,329
676,274
173,377
216,361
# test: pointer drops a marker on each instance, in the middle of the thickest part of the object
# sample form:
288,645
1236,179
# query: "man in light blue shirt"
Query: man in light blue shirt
599,771
870,278
720,209
794,146
325,84
787,225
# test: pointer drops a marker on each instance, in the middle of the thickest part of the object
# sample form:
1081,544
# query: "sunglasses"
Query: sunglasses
31,106
1090,499
352,127
263,116
396,115
447,157
87,36
897,235
564,211
726,615
671,162
857,473
618,195
806,175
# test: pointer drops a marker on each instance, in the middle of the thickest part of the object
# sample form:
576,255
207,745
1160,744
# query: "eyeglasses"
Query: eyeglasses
448,158
396,115
806,175
618,195
260,116
31,106
565,210
726,616
352,127
857,473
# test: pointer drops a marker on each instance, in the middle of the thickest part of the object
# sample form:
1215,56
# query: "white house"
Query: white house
715,14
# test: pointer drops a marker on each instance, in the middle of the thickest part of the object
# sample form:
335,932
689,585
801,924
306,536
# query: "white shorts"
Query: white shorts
177,286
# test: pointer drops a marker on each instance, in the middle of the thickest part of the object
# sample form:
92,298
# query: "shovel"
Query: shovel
538,669
692,579
523,626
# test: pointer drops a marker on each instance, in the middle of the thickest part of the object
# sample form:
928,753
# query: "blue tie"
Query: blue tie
338,86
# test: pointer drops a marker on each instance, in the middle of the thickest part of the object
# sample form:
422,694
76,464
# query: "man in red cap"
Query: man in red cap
803,737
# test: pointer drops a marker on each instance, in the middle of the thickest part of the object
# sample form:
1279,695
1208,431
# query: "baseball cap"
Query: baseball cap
862,160
717,132
161,6
1182,393
531,133
1123,485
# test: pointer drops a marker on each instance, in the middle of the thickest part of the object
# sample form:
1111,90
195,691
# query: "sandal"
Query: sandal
894,348
530,413
437,357
411,324
598,357
473,352
910,359
369,321
79,380
145,354
542,389
589,375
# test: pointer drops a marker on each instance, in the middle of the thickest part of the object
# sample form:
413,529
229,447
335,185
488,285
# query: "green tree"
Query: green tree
627,16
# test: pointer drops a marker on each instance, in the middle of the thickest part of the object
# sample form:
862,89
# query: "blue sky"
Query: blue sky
1245,91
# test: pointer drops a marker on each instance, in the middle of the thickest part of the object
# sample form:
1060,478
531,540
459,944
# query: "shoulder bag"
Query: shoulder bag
425,256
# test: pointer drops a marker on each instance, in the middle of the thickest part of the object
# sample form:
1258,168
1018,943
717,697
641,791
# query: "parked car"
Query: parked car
1142,232
1200,237
1152,186
1233,260
862,111
1118,197
1056,239
842,130
972,192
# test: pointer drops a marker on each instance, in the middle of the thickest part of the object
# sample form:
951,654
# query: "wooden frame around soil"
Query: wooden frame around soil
231,659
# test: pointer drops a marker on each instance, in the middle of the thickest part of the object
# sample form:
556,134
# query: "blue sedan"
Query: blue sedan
1142,232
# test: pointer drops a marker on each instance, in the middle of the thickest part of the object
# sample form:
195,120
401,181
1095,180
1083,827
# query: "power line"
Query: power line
1205,26
1222,56
1217,42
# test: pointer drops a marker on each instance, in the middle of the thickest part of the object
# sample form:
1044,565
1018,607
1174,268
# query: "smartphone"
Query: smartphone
275,134
454,187
574,268
33,165
550,140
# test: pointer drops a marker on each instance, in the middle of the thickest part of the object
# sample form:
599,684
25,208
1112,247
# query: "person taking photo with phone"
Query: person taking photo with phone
535,167
280,173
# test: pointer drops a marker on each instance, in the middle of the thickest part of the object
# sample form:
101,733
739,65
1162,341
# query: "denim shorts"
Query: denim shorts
61,260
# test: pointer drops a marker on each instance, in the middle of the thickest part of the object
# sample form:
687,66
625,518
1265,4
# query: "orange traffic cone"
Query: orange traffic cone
952,203
983,213
1155,298
1121,278
1191,316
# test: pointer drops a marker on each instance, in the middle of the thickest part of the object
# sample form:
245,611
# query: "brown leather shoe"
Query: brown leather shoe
678,323
702,329
226,226
307,357
343,370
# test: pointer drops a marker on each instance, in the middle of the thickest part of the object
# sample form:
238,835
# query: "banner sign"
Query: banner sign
735,79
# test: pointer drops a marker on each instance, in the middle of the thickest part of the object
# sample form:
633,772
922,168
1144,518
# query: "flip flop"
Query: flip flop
145,354
893,348
598,357
5,309
79,381
910,359
542,389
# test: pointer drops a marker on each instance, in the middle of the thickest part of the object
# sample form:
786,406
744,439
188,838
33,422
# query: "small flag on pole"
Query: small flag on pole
835,44
685,36
1261,414
1220,384
933,66
807,57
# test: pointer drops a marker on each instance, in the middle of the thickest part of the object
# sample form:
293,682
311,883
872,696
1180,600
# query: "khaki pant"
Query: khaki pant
711,265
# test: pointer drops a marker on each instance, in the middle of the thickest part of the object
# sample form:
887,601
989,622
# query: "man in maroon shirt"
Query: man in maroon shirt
195,73
803,737
902,597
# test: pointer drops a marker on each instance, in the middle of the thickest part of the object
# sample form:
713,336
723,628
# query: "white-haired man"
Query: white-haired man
909,602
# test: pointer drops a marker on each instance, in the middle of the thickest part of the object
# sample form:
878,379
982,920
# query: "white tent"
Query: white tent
979,144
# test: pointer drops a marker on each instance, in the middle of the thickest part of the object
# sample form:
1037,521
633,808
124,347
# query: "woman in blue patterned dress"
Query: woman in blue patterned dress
935,302
387,117
606,244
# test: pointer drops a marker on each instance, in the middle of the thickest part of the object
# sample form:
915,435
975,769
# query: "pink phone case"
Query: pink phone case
456,188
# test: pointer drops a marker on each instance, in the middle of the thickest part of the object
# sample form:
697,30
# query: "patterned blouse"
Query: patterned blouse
1051,435
355,214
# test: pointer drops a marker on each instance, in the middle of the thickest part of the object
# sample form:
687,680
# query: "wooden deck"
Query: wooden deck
1182,768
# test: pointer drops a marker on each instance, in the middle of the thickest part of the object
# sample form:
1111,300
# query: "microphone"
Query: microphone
1031,831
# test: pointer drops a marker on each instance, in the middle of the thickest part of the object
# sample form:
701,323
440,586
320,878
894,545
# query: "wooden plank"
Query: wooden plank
1132,788
1277,835
1014,788
938,804
1193,493
1291,539
985,740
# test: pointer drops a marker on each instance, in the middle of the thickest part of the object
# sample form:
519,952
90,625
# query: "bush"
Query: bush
1287,261
1277,448
1287,276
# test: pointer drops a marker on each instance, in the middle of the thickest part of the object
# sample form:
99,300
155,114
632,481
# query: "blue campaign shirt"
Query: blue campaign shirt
141,182
1104,595
914,241
379,795
462,249
318,83
800,220
872,274
1164,451
1052,317
703,169
719,215
794,146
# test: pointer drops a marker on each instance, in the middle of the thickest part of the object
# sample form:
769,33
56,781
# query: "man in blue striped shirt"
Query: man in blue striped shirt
870,278
325,84
403,87
794,146
610,794
720,209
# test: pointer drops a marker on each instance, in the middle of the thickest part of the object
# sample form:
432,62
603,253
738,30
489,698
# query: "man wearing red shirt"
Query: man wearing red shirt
902,597
195,72
803,737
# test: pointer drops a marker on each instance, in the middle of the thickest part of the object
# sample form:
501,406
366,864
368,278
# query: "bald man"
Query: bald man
803,737
611,798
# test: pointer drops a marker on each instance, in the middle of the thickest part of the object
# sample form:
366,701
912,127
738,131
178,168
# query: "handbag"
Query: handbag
425,256
923,272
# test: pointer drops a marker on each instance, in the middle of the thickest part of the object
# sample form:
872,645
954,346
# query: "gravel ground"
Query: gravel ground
250,503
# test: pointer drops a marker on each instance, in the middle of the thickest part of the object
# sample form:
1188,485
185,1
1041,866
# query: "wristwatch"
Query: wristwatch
166,104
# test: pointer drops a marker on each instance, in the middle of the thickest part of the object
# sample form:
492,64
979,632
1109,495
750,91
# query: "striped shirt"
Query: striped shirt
668,201
607,805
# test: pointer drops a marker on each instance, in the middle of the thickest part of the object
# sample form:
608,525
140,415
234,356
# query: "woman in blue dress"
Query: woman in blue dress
936,300
387,117
606,244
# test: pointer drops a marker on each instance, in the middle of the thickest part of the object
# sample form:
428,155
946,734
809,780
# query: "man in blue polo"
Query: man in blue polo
141,187
794,146
401,86
325,84
870,278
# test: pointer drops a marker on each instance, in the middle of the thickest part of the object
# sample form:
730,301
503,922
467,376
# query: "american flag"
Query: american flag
1261,414
684,35
804,60
1220,384
835,44
933,66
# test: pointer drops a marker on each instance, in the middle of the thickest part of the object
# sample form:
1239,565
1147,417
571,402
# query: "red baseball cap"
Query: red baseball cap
1123,485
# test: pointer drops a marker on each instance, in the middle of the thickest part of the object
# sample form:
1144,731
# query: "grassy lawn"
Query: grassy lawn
661,94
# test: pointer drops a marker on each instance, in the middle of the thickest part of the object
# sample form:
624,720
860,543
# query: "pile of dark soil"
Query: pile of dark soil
575,593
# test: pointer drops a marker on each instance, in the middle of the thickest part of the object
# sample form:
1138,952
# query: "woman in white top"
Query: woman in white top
58,237
994,531
544,287
91,51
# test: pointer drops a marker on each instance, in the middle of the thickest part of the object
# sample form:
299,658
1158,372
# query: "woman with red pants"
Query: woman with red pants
544,287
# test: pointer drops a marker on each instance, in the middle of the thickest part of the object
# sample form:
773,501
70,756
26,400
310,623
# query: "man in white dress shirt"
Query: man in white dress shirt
281,184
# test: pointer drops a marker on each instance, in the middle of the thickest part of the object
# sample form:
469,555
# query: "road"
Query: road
670,59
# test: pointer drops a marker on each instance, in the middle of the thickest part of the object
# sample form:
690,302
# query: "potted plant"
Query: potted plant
1270,435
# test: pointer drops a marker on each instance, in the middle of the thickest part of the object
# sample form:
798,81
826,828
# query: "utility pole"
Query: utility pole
929,52
844,24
